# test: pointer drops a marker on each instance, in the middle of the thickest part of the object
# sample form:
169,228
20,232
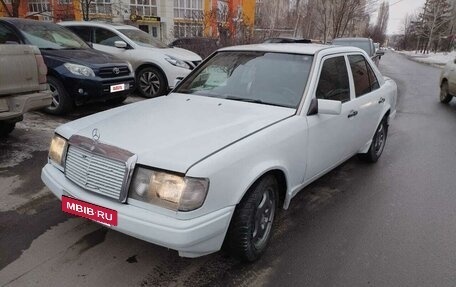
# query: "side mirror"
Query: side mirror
328,107
455,61
380,53
120,44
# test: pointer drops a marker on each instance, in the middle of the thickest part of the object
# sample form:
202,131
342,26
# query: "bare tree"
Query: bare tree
14,11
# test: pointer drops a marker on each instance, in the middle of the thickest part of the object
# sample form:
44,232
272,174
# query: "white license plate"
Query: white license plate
118,88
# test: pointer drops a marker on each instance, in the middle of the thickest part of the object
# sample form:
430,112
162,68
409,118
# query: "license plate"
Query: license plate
118,88
90,211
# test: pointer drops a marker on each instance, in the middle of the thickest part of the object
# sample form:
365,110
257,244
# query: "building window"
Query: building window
65,2
188,9
38,6
7,1
187,30
144,7
100,7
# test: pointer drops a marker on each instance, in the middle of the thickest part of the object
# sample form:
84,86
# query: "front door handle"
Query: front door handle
381,101
352,114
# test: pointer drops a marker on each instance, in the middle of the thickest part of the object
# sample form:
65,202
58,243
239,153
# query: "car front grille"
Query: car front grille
95,173
114,72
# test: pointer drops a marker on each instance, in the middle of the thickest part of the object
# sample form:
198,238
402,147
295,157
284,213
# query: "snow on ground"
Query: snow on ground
436,59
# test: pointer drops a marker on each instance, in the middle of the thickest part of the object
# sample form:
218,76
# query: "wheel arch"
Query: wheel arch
281,176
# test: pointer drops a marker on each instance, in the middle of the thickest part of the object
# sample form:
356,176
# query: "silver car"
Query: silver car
448,82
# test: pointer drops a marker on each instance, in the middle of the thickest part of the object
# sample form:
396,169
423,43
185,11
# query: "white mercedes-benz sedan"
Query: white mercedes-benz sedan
210,164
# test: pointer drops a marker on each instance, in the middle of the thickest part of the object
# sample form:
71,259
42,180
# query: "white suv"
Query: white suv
157,67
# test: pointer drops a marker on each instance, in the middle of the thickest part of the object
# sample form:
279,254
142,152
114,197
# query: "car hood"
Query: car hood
87,57
174,132
178,53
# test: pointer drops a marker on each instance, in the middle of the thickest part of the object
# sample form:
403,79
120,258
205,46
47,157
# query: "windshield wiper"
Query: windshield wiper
256,101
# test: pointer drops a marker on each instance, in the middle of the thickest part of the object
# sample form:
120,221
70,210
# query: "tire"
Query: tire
151,82
117,101
251,225
61,101
6,128
378,143
445,96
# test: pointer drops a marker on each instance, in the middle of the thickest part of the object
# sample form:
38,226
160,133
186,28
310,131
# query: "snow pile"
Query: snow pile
437,59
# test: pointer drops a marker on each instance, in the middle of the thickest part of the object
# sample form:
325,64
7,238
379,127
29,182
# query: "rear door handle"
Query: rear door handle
381,101
352,114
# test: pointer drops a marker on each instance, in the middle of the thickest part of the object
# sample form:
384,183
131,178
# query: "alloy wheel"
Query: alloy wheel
149,83
55,97
263,219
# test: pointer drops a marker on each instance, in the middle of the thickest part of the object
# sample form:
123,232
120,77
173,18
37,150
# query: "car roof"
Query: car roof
14,20
292,48
353,39
101,24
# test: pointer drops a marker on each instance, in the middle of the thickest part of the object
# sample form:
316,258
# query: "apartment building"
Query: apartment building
162,19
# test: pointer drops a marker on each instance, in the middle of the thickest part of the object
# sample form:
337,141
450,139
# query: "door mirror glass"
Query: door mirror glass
328,107
120,44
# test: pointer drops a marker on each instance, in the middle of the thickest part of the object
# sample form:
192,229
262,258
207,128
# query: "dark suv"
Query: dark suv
77,74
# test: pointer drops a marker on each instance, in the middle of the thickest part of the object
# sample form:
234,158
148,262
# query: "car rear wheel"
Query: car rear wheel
6,128
61,101
251,225
378,143
445,96
151,82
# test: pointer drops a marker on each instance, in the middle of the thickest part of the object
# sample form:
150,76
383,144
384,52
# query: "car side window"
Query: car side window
372,78
7,36
333,83
85,33
363,76
106,37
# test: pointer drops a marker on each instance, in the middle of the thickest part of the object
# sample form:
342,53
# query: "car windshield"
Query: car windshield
142,38
51,36
259,77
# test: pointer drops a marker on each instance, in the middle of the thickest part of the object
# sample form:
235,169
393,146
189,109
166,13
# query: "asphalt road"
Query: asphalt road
388,224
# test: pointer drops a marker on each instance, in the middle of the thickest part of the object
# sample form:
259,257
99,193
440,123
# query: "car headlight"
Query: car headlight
168,190
79,70
57,150
176,62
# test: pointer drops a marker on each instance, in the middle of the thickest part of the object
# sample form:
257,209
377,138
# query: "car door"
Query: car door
331,137
368,99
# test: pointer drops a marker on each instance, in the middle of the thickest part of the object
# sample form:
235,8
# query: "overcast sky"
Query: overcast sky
398,12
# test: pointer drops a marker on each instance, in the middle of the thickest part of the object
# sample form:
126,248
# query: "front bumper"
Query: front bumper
87,90
191,238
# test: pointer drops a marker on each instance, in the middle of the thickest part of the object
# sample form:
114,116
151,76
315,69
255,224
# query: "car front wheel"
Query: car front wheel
151,82
378,143
251,225
61,101
445,96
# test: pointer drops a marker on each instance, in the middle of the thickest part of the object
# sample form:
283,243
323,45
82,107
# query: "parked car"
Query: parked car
23,85
212,162
202,46
157,66
448,82
365,44
287,40
77,74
